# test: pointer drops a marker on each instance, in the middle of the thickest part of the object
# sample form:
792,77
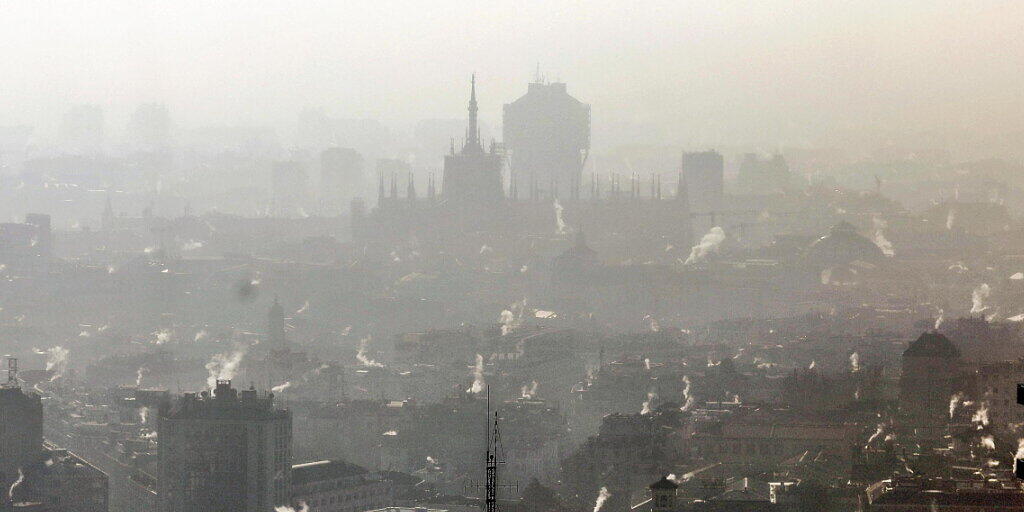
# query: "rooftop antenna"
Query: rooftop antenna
495,455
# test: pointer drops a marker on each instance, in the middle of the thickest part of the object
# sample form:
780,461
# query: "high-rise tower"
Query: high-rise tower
229,451
547,134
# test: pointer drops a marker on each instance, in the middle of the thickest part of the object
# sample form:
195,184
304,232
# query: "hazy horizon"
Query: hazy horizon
777,74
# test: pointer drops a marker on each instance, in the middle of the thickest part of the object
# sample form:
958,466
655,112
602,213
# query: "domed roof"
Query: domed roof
932,344
664,483
843,245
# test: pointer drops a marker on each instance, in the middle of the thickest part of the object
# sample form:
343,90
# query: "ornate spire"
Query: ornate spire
472,132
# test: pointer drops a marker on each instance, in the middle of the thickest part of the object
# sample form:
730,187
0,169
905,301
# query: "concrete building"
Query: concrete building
225,452
996,385
547,135
338,486
930,376
21,432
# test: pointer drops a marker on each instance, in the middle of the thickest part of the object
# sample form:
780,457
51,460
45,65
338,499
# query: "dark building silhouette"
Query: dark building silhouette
930,376
704,175
472,177
21,433
763,176
547,135
229,451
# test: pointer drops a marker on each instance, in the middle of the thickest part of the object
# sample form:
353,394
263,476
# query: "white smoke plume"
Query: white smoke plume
200,336
1018,276
978,298
647,363
305,306
361,354
988,442
878,432
162,336
646,409
138,376
529,391
954,402
941,318
854,362
687,397
812,365
507,320
223,366
559,221
602,496
884,244
57,361
282,387
143,415
21,478
980,417
950,218
191,245
708,243
302,508
478,375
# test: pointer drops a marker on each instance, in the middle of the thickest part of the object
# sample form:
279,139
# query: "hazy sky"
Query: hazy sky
704,71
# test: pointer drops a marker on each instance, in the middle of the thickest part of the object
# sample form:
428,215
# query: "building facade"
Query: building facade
547,136
229,451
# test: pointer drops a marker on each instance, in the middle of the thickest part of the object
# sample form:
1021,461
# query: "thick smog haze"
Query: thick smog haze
767,74
511,256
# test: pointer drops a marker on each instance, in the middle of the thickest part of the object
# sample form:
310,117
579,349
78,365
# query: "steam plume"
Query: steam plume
302,508
954,401
559,221
884,244
361,354
646,409
978,297
988,442
708,243
602,496
529,391
687,397
854,362
21,478
282,387
223,366
478,375
57,361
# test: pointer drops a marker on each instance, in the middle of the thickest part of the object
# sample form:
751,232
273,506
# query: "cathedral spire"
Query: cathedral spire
472,132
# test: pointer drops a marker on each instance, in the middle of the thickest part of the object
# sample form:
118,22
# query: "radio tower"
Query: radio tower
495,456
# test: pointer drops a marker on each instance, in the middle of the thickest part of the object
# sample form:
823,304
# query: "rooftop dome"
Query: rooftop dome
932,344
843,245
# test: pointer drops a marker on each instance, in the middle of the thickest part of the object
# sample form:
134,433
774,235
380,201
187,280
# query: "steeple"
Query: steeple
472,132
275,327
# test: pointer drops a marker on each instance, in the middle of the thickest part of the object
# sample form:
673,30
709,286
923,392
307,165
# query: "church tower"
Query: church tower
472,177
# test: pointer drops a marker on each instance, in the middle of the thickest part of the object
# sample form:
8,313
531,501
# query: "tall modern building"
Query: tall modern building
229,451
704,173
150,126
472,177
547,136
21,432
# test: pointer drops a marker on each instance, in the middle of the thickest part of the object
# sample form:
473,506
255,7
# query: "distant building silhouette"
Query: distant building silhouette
704,175
290,187
21,433
341,175
547,135
472,177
